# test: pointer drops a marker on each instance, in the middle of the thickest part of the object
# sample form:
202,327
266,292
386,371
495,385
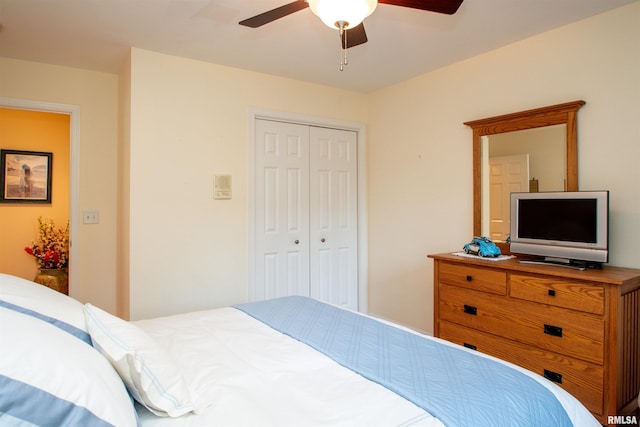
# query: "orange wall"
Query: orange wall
33,131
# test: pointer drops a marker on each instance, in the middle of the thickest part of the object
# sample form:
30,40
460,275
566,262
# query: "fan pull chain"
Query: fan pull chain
343,45
344,48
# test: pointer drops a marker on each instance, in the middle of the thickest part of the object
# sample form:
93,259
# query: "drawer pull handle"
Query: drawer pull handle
471,346
555,331
469,278
551,292
469,309
553,376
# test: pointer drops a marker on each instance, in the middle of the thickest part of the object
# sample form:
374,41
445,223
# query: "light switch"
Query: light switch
91,217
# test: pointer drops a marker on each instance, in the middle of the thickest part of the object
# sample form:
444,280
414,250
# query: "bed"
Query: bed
289,361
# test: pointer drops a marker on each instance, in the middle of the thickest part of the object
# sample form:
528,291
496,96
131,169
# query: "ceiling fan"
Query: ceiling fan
347,15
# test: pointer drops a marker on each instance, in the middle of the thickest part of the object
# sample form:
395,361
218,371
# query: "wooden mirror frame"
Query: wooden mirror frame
539,117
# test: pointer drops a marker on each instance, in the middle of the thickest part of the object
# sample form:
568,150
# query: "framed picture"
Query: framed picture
25,176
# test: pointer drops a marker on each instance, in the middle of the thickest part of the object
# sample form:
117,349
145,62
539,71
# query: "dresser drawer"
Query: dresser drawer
585,297
477,278
555,329
582,379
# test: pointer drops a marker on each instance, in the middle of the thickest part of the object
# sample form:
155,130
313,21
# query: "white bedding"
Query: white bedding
243,373
233,369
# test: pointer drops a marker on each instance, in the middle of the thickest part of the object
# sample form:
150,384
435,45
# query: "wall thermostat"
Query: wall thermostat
221,187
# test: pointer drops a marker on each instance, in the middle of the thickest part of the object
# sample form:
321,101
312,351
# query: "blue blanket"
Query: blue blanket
454,385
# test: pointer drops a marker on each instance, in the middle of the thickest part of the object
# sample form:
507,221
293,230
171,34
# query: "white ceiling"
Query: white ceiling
403,43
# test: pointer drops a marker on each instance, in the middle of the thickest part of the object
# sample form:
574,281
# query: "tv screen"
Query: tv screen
566,220
561,226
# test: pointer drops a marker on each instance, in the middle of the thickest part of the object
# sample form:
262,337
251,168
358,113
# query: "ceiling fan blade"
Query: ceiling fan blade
448,7
354,36
273,14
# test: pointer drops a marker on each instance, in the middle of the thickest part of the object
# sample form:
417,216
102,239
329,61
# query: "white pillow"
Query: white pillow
44,303
48,377
147,370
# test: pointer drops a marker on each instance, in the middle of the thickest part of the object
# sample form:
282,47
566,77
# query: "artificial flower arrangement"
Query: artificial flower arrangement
51,250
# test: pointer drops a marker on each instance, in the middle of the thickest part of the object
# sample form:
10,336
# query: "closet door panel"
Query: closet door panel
333,216
282,210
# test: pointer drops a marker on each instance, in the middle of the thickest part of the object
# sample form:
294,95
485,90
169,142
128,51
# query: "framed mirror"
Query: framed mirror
507,129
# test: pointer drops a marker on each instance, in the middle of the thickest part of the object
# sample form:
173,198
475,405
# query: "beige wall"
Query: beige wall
189,120
96,95
597,60
33,131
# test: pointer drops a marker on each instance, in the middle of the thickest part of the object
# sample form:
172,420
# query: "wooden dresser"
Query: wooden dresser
577,328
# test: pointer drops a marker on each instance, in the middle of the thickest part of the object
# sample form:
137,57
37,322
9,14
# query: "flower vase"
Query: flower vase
54,278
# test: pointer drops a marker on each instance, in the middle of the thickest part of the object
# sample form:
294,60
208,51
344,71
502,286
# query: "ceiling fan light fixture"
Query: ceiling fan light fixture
349,12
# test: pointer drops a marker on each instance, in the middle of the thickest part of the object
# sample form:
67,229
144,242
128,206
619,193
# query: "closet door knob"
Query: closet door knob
323,240
296,241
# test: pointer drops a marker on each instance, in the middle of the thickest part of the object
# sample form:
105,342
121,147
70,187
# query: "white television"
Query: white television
563,228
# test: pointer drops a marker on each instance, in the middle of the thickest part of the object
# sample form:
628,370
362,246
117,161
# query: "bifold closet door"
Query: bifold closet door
282,210
334,216
305,213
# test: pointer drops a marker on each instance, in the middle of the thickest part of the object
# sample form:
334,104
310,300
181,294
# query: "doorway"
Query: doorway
74,165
